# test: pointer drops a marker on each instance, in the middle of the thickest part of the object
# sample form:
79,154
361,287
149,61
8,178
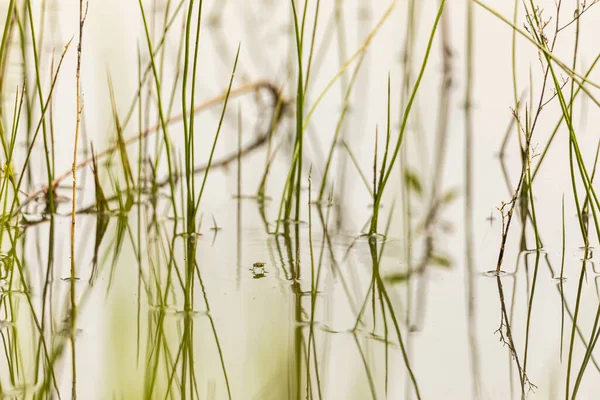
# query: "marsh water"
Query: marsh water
312,307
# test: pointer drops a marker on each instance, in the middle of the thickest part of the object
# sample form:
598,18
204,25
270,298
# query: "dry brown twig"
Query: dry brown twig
247,88
73,309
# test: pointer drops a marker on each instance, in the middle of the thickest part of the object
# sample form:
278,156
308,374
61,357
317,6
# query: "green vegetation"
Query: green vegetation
328,267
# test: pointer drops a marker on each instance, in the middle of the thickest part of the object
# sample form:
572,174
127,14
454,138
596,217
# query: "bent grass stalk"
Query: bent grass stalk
561,119
364,46
547,54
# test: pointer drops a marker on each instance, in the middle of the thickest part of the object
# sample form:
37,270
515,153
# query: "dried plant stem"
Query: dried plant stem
250,87
73,311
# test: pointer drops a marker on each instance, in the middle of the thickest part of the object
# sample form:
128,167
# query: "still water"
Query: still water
317,310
